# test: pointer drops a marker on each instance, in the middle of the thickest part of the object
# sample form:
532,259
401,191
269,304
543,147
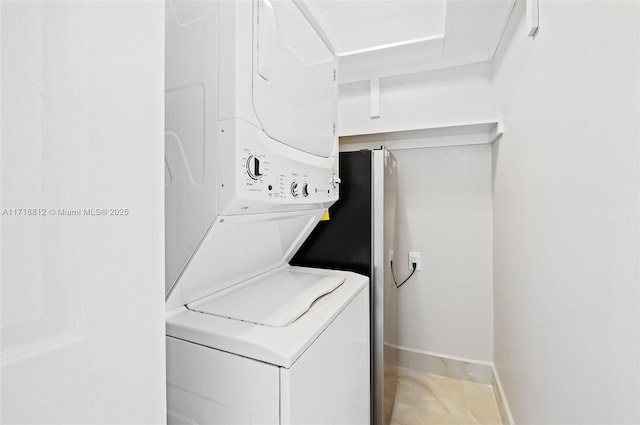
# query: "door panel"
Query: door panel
82,309
294,85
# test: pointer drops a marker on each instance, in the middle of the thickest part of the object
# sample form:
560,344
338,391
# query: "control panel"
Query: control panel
263,178
272,178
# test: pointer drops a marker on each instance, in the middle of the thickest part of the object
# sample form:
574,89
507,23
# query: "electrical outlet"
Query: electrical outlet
415,257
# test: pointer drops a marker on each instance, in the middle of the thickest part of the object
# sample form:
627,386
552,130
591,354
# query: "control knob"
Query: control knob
305,190
294,189
253,167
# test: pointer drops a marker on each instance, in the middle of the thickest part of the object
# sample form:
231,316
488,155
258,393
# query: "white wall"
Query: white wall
566,215
442,97
444,211
82,296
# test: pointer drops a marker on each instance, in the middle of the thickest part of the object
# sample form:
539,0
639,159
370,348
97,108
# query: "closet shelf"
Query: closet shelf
469,133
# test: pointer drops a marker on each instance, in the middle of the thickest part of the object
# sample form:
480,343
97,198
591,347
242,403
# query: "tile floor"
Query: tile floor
428,399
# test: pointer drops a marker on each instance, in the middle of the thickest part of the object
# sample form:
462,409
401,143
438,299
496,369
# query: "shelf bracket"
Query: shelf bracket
374,97
496,132
532,17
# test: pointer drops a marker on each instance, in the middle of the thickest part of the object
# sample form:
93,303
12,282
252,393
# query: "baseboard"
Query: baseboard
459,368
501,399
469,370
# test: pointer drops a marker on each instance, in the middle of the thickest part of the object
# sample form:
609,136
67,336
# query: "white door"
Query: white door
82,254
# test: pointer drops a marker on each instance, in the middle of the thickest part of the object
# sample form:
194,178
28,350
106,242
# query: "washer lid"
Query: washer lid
277,300
280,346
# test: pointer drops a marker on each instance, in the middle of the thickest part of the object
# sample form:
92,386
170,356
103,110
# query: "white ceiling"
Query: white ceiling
369,24
381,38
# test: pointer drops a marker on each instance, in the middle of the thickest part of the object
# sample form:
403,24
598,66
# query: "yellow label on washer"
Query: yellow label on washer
325,216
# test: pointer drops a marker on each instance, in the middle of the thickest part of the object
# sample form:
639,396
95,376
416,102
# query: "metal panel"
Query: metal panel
383,299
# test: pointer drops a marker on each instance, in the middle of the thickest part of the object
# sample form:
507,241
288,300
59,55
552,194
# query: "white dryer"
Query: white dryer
251,165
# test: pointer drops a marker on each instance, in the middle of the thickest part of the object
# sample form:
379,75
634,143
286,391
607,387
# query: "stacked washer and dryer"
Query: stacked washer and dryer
251,166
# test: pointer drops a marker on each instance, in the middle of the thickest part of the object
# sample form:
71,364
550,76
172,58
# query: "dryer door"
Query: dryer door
294,82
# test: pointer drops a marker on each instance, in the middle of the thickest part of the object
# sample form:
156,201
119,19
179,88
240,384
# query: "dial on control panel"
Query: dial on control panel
295,189
253,167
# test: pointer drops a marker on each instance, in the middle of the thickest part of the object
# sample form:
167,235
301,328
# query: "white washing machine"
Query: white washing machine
264,352
251,166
